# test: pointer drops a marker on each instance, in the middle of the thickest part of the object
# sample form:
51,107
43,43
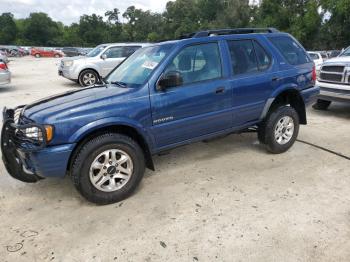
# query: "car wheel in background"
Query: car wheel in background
108,168
88,78
37,55
57,56
280,129
321,104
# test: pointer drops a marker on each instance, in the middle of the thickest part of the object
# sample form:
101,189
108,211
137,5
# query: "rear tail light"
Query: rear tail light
314,75
3,66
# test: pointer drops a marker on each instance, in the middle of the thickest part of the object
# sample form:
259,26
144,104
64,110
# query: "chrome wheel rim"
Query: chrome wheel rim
284,130
111,170
89,79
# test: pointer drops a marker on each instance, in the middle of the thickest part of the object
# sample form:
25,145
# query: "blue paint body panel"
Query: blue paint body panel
166,119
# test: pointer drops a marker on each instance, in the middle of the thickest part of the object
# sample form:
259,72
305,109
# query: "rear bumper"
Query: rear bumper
5,77
29,163
310,95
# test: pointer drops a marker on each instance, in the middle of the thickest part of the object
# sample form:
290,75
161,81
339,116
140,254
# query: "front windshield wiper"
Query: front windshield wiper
120,84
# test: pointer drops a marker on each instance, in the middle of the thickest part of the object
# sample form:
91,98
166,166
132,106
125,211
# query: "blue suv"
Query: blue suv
169,94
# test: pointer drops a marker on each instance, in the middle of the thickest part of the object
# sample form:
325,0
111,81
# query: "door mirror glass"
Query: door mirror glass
170,79
104,56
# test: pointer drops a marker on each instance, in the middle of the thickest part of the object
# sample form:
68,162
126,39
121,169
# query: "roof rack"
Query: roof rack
229,32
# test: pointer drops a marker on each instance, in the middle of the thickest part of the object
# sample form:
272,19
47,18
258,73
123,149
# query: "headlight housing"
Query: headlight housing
36,133
68,63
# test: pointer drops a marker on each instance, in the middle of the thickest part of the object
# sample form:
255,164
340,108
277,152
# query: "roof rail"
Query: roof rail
229,32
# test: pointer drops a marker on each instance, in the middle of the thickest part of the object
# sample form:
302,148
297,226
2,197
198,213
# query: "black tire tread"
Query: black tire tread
79,158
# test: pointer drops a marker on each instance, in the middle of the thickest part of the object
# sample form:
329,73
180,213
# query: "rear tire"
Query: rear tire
280,129
101,176
88,78
322,104
37,55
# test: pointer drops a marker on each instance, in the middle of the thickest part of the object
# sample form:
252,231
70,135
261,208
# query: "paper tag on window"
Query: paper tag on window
149,64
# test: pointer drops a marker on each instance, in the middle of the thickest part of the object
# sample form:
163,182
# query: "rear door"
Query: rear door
252,79
201,105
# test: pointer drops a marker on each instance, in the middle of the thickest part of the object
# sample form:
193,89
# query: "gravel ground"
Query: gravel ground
225,200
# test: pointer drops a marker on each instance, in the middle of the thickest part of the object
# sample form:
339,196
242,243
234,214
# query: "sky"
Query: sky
69,11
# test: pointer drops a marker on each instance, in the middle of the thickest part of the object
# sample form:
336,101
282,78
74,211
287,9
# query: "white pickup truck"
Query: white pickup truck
334,81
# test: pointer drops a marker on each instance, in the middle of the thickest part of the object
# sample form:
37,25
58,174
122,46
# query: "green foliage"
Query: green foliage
8,29
318,24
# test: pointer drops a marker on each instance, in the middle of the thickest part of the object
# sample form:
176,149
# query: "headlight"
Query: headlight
68,63
36,134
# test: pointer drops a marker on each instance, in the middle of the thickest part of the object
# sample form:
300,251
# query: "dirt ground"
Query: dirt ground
225,200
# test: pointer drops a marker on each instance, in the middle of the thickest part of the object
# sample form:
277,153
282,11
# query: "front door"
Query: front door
201,105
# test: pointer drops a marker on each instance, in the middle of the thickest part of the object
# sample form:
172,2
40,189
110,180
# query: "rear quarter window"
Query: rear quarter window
290,50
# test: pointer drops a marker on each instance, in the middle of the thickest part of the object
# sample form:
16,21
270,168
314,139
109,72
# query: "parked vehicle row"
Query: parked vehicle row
163,96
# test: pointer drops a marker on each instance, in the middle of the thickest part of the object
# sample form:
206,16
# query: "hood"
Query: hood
71,104
64,59
341,59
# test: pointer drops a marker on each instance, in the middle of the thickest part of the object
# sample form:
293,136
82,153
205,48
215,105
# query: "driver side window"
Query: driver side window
115,52
197,63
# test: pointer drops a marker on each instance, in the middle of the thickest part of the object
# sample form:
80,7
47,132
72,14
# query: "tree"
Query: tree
92,30
39,29
8,29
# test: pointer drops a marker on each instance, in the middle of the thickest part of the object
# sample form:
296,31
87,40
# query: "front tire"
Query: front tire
280,129
108,168
88,78
322,104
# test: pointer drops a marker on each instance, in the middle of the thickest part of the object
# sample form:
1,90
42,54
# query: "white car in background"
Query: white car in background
98,63
319,58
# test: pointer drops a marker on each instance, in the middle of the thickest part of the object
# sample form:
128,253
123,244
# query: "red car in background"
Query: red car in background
45,52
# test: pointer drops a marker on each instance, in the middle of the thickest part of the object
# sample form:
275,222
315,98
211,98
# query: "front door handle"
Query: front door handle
220,90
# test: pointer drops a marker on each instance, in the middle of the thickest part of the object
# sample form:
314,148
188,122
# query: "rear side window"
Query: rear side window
314,56
129,50
291,50
243,57
263,58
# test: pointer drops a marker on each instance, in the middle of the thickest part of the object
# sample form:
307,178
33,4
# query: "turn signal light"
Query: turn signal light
49,133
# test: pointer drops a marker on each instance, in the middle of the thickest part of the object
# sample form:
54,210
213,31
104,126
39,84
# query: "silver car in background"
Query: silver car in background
5,74
3,57
98,63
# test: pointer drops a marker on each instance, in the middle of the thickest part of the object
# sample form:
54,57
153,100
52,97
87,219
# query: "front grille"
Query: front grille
337,69
331,77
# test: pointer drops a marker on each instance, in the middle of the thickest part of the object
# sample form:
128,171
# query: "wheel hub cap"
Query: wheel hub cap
111,170
284,130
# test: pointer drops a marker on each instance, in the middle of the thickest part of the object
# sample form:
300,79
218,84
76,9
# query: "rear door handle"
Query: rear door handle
220,90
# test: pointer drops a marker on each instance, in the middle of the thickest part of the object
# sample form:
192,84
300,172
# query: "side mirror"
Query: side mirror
170,79
104,56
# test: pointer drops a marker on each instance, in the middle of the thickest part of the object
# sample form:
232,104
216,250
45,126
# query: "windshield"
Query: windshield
96,51
138,67
346,52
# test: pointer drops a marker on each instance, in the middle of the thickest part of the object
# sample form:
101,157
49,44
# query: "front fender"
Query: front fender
109,122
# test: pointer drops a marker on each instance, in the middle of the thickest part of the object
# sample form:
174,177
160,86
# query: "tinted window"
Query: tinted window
243,57
291,50
197,63
264,60
115,52
129,50
314,56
